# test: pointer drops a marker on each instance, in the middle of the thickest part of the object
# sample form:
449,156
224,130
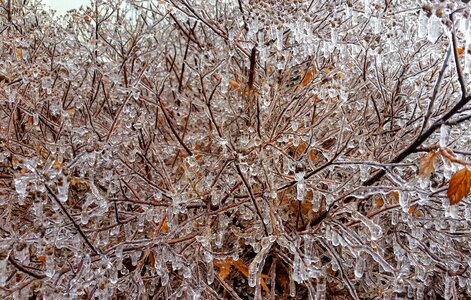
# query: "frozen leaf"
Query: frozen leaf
459,186
427,164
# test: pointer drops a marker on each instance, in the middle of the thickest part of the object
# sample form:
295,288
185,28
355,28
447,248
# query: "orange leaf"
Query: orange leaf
224,267
459,186
307,79
460,50
164,228
427,164
245,271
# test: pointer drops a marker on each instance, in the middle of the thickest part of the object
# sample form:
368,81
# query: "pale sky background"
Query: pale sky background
62,6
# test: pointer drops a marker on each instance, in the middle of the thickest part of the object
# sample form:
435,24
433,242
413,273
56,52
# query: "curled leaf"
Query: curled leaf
460,184
427,164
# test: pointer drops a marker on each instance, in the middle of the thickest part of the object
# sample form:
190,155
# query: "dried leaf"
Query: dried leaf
234,84
460,50
297,151
224,267
427,164
239,265
75,181
4,78
459,186
87,19
164,228
19,53
307,79
42,258
312,155
151,259
379,202
59,164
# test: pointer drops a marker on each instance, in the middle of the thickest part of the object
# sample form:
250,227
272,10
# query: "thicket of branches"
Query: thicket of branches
185,149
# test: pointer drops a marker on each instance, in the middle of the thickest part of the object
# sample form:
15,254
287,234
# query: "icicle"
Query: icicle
375,230
210,274
449,282
315,201
359,267
434,29
256,266
467,59
422,28
404,201
300,190
63,190
321,288
292,287
444,135
279,39
3,272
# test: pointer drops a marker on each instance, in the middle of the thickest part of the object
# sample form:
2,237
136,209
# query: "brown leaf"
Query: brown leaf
312,155
307,79
427,164
459,186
